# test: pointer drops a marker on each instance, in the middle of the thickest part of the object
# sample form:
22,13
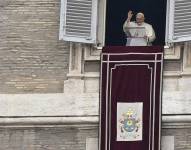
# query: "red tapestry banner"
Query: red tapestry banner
130,98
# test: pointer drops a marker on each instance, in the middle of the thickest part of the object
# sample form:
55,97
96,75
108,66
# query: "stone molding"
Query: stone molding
47,105
172,52
176,121
187,59
168,121
49,121
92,53
75,104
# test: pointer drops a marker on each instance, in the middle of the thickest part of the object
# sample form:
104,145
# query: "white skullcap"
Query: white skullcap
140,14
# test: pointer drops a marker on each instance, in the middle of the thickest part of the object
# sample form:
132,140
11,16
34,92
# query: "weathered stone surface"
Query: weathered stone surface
32,59
91,143
182,140
84,104
49,104
74,138
167,145
46,138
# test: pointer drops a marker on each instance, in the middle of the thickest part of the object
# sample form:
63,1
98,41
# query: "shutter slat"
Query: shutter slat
180,26
81,1
182,10
182,14
183,17
84,7
180,34
77,27
80,34
83,18
79,14
78,24
85,32
79,4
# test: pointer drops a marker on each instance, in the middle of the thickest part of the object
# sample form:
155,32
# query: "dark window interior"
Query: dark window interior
155,14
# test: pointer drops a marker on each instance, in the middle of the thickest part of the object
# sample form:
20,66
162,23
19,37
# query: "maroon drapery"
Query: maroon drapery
131,77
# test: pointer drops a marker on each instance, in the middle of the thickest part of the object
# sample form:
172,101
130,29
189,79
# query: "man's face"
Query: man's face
140,19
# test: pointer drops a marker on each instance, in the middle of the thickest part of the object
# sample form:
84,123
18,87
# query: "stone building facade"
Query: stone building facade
50,88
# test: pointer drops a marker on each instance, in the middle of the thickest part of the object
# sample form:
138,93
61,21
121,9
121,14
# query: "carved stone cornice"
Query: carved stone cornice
172,52
187,59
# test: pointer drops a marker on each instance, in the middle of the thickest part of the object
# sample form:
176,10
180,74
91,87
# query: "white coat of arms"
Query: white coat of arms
129,121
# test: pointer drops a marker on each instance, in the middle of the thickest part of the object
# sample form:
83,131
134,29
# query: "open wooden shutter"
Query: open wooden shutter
78,20
178,21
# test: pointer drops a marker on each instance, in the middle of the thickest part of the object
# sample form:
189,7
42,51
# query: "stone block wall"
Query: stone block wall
46,138
32,59
181,138
76,138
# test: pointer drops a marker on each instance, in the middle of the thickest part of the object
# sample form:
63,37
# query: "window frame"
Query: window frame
171,52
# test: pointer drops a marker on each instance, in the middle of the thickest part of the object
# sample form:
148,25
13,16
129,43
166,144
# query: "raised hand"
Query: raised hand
130,15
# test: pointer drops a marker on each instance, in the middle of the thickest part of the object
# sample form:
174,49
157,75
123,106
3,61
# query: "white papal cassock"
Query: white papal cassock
135,33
